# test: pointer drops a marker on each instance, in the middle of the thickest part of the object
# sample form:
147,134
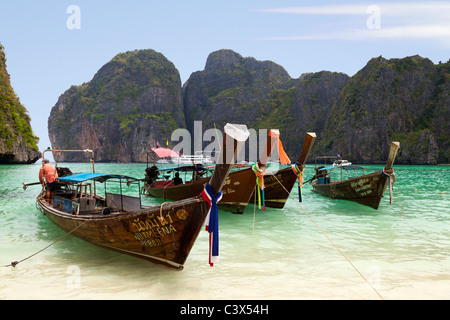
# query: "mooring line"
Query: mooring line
254,208
15,263
331,241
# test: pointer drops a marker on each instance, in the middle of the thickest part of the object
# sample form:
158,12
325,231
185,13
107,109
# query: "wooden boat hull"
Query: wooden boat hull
160,235
277,187
236,191
366,190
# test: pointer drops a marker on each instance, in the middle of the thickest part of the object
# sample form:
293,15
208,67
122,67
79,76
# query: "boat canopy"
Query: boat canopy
342,167
100,177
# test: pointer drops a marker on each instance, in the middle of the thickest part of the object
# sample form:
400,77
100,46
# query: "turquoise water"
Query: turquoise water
319,249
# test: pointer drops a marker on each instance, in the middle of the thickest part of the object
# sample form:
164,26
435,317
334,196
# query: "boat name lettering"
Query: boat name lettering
362,186
366,193
228,191
152,222
360,183
272,178
152,229
367,186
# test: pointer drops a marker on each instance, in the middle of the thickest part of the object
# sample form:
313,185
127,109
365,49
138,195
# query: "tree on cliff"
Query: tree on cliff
18,144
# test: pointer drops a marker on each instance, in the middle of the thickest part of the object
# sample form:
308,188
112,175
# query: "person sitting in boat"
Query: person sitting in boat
177,180
47,177
151,174
319,174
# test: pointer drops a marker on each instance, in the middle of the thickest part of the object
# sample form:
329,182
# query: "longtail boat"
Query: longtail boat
161,234
366,189
237,189
278,184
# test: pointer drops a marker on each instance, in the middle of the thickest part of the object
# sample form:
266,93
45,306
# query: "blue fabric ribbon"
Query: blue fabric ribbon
212,222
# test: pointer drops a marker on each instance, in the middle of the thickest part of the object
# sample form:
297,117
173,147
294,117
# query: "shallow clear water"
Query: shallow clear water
401,249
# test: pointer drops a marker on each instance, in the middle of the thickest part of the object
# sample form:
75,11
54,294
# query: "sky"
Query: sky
52,45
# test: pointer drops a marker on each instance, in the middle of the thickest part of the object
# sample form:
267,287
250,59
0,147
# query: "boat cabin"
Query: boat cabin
77,194
167,176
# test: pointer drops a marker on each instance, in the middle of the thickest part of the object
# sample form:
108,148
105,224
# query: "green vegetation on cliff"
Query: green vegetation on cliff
395,99
133,101
18,144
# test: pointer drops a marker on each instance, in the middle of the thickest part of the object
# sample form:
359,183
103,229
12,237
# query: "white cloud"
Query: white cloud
428,31
391,9
405,32
319,10
406,20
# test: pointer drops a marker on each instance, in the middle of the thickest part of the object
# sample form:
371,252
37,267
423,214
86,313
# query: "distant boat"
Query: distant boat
341,163
161,234
167,155
366,189
237,189
198,158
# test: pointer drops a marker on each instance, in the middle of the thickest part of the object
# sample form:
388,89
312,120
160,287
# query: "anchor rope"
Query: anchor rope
392,181
331,241
15,263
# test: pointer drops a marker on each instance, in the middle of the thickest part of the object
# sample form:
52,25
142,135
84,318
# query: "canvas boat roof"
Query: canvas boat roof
100,177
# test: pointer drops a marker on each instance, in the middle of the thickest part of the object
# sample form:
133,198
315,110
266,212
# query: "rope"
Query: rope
392,180
299,173
260,184
254,209
161,207
15,263
331,241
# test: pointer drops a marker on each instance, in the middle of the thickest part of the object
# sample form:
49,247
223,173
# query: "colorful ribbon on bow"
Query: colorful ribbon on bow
260,184
299,173
212,222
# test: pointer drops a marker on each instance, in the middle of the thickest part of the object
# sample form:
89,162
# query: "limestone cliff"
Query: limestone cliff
132,102
302,107
397,99
230,89
18,144
262,95
136,99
